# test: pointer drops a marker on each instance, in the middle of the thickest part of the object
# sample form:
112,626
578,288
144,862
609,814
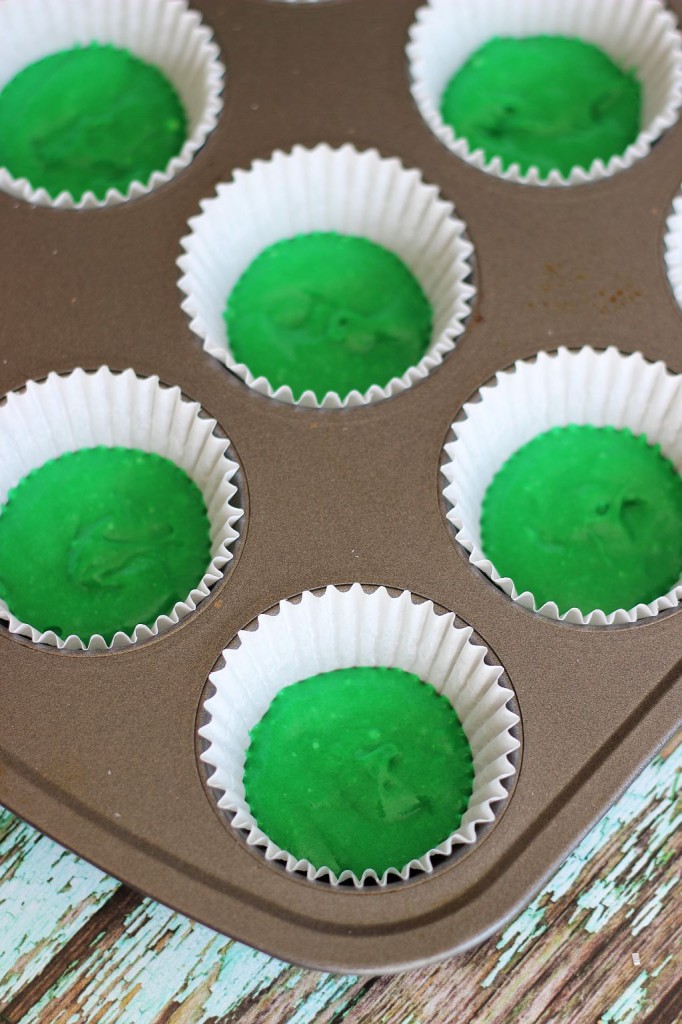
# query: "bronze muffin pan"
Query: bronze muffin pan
99,750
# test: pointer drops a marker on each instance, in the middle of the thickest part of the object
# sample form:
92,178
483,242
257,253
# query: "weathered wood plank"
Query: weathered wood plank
100,930
162,967
46,896
568,958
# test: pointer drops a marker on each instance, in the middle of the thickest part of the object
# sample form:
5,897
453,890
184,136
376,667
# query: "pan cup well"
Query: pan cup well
326,190
334,629
120,410
166,34
637,35
583,387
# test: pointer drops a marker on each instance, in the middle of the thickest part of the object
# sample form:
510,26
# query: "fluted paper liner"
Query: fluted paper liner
673,249
84,410
341,629
326,189
581,387
164,33
639,35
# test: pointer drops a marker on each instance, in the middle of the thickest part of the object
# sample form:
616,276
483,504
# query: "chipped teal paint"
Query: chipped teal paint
155,950
631,1002
46,895
518,936
629,1005
329,988
653,907
649,803
620,887
661,967
240,971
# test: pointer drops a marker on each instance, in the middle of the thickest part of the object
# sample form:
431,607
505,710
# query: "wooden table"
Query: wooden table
602,943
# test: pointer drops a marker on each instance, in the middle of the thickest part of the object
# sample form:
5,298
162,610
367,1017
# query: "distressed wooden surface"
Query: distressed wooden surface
602,943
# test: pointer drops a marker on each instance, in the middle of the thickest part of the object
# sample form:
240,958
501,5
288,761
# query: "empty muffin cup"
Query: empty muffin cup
327,278
570,466
102,102
377,790
116,501
547,93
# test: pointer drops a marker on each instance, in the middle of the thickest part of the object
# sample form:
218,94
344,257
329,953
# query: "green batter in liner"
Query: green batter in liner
544,101
89,119
587,517
359,768
101,540
328,312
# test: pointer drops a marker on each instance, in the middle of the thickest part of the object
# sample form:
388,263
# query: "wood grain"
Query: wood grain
602,944
46,897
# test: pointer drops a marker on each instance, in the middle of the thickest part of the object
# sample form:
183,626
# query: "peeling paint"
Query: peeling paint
661,967
646,914
651,819
328,988
191,1010
46,895
223,971
629,1005
517,937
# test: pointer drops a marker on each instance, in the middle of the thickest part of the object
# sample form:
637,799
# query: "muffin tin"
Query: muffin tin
101,749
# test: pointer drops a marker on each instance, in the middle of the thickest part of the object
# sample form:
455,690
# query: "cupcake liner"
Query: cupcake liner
164,33
639,34
324,189
582,387
673,249
336,629
84,410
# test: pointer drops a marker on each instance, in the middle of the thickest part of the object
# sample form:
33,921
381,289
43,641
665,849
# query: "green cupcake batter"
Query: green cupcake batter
359,768
588,517
100,540
328,312
543,101
89,119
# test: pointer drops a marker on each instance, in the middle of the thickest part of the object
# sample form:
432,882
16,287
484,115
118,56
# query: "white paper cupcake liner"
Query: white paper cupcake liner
636,34
337,629
673,249
165,33
324,189
583,387
84,410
